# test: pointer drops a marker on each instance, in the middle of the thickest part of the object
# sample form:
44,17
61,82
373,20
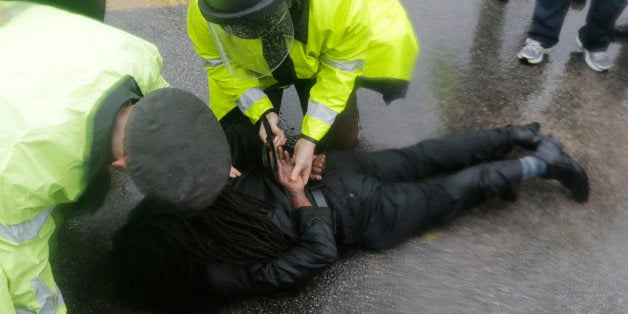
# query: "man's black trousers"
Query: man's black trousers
380,200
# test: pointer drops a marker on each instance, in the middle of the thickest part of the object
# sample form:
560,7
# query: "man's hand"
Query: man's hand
234,173
296,188
285,168
273,120
318,167
303,156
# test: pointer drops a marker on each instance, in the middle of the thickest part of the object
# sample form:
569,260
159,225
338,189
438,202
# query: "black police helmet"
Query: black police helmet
236,11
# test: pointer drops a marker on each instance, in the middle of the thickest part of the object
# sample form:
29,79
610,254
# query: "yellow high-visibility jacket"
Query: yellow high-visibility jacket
336,41
58,74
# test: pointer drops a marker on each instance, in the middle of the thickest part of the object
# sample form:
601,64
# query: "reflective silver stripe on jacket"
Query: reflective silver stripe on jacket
48,301
250,97
349,66
320,112
212,62
25,231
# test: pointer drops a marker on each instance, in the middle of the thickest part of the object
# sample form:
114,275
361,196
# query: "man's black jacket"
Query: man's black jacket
314,250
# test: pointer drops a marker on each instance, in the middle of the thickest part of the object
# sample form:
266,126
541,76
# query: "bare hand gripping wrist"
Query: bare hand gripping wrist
295,187
303,156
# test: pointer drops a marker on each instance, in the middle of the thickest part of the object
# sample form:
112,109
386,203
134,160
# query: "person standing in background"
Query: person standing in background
593,38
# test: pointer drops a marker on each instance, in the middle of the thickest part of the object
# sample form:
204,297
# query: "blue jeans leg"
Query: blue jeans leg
599,29
547,21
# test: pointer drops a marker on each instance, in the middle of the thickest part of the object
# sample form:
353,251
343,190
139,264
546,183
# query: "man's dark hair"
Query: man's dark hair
159,255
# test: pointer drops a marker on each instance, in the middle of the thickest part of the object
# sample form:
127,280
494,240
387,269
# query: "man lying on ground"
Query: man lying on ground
267,234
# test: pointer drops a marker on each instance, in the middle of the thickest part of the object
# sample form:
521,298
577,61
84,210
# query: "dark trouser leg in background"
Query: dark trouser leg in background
244,142
243,136
445,154
547,21
345,131
599,30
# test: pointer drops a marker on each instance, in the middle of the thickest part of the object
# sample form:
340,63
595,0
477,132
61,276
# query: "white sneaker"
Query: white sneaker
598,61
532,52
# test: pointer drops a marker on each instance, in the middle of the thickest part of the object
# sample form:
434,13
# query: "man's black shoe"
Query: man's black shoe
527,136
563,168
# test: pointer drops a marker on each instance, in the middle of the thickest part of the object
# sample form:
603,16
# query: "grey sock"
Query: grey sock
532,167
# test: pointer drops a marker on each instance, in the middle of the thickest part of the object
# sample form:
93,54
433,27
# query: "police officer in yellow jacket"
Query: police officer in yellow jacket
252,49
71,103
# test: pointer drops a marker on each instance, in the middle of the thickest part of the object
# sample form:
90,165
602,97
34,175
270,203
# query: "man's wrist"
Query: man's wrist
297,192
299,199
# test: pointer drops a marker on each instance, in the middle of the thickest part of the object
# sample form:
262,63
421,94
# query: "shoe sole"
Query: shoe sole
587,58
532,61
575,179
568,172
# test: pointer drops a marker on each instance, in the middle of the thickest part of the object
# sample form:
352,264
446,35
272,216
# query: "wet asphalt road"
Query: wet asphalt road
543,253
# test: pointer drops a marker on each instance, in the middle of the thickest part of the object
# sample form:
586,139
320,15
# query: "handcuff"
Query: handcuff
269,147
